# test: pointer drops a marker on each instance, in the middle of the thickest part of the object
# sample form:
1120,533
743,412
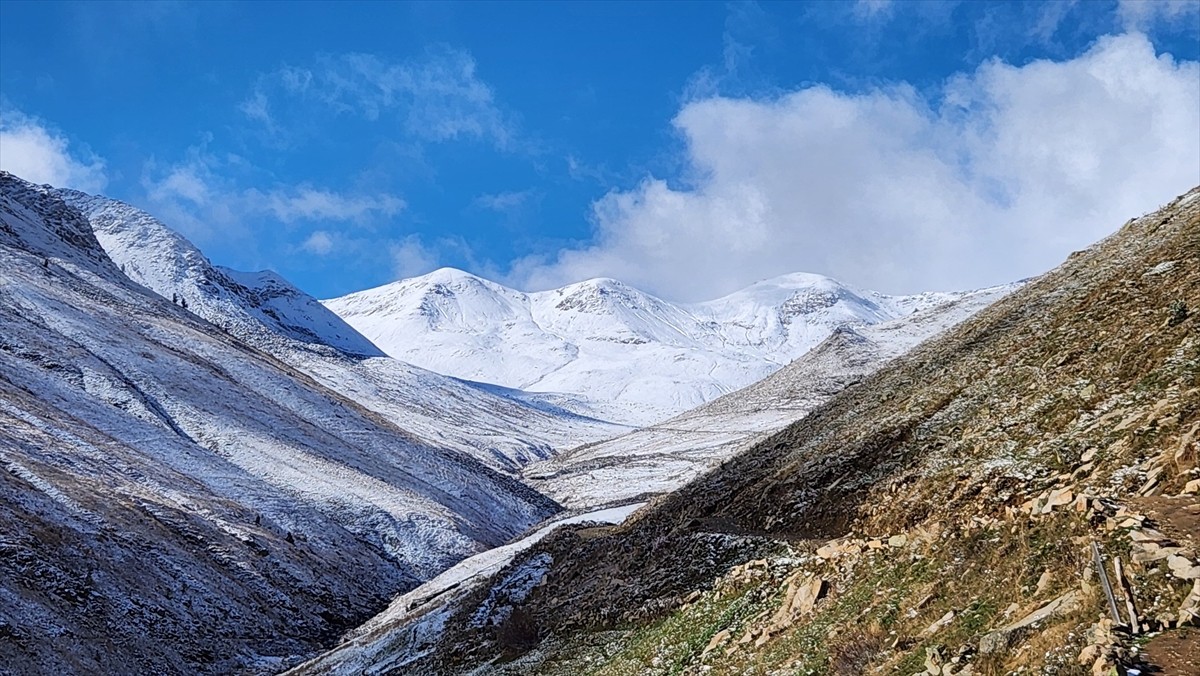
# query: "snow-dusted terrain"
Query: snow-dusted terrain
175,500
269,313
664,456
400,634
604,349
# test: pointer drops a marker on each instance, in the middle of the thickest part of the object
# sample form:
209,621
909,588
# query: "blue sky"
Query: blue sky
687,148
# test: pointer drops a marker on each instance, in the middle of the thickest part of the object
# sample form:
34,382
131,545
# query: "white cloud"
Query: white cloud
999,177
1143,14
199,198
31,150
319,243
438,97
504,202
304,202
411,258
256,108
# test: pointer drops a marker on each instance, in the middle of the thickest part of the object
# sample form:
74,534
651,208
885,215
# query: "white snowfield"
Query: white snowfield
605,349
396,637
177,501
266,311
663,457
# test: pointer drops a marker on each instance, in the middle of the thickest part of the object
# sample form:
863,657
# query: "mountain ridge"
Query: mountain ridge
947,513
606,348
168,488
268,312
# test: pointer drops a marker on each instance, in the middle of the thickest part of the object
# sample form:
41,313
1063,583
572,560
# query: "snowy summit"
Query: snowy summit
605,349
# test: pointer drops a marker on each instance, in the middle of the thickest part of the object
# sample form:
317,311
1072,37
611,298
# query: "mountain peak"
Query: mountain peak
43,224
633,357
446,275
251,305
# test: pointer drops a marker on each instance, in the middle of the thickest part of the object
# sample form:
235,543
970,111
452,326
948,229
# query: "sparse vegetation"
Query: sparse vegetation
965,485
1177,312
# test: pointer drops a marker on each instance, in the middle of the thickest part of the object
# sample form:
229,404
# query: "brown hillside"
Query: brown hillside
930,508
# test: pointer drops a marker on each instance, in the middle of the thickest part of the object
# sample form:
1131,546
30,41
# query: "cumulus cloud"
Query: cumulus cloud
437,97
997,176
35,152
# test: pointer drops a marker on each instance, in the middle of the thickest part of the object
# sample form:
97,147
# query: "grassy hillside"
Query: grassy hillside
943,511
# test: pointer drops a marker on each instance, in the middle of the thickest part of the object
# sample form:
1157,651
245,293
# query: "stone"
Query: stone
898,541
1129,421
1088,455
1089,654
1183,568
1189,610
835,548
1192,487
1146,535
1044,582
798,601
1147,552
994,642
1189,448
938,625
717,639
1057,498
999,640
933,661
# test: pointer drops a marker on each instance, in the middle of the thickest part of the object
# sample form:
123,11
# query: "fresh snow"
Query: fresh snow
192,490
396,636
266,311
604,349
662,457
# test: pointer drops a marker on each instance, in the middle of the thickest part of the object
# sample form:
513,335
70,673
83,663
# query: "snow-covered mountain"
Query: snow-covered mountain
605,349
664,456
175,500
269,313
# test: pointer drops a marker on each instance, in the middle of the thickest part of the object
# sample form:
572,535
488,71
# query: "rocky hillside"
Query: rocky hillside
662,457
268,313
174,500
946,515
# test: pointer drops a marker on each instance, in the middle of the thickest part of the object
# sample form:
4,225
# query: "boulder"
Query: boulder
999,640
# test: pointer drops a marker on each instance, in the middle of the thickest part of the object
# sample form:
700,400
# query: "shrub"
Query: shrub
1177,311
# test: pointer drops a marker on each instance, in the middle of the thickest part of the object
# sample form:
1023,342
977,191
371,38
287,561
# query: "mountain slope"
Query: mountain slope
945,511
664,456
605,349
267,312
177,501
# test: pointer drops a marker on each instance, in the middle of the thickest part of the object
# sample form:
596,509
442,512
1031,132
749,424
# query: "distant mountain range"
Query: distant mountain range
605,349
664,456
266,311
